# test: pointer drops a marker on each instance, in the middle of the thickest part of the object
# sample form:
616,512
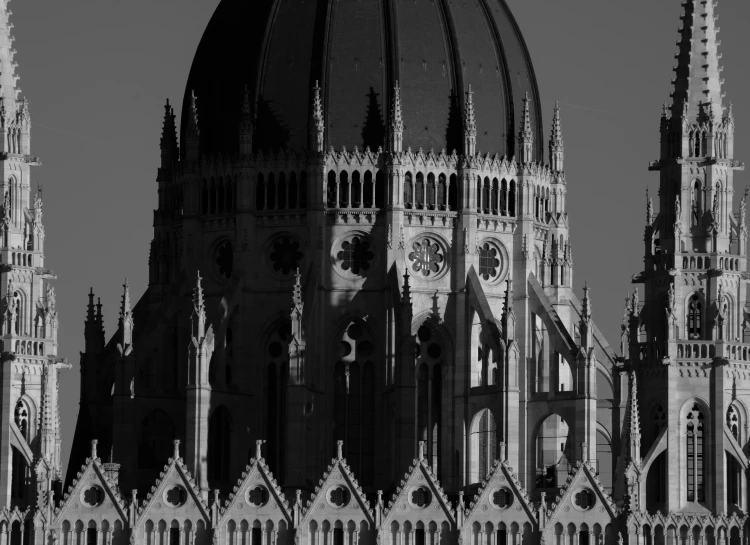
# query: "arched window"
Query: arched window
453,193
260,193
512,199
441,192
344,190
695,317
419,191
303,189
277,352
368,193
204,195
271,192
504,198
356,190
292,191
21,418
479,194
733,422
229,189
354,400
408,191
379,190
495,196
282,192
694,451
331,190
430,191
483,445
212,197
697,203
220,196
219,445
486,196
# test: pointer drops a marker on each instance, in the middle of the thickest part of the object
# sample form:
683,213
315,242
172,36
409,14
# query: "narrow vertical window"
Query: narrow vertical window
694,451
694,317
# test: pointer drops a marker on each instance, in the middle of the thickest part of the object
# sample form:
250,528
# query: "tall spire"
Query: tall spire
396,129
632,429
470,125
246,124
168,142
317,129
199,310
556,146
90,316
697,83
9,89
526,135
586,325
192,135
126,317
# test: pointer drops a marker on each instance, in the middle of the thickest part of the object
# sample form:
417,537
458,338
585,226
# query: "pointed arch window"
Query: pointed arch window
419,191
733,422
697,203
694,450
483,445
430,191
695,317
408,191
512,199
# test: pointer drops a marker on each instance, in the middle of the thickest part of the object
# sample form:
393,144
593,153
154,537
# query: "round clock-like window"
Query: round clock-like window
420,497
584,499
339,496
502,498
92,496
285,255
257,496
224,259
175,496
426,257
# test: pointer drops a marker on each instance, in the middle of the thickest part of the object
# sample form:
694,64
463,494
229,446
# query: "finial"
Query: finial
125,306
586,301
90,313
396,132
297,294
649,209
526,135
99,317
421,451
94,442
258,445
176,449
339,450
556,145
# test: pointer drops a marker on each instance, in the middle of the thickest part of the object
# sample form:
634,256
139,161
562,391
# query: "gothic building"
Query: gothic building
360,328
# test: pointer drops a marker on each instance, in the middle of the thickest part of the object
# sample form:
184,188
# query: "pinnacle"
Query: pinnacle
526,132
246,101
169,130
317,104
586,302
470,121
397,122
193,117
125,307
198,302
297,293
697,85
90,312
9,90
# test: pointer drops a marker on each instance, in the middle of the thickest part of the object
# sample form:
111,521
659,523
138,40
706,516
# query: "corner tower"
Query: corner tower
686,341
29,422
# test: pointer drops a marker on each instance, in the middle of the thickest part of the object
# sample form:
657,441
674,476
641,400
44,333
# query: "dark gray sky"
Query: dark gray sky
97,73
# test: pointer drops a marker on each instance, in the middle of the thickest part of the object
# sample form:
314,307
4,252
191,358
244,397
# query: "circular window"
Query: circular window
420,497
257,496
356,255
339,496
92,496
584,499
224,259
502,498
489,262
426,257
285,255
175,496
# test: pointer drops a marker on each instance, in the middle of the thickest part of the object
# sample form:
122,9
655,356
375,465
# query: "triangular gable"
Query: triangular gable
564,507
158,504
81,502
273,504
489,505
337,482
406,506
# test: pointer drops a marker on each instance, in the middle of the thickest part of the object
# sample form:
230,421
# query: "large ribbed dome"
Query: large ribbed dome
358,49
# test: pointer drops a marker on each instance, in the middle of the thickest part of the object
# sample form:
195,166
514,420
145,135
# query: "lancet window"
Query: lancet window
695,317
483,445
694,443
354,400
697,203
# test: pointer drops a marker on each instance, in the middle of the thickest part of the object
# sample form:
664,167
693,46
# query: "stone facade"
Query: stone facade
320,321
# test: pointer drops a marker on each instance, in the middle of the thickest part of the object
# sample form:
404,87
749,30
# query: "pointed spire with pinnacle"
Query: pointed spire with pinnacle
168,142
396,128
9,89
697,83
247,125
93,330
632,429
649,209
126,317
556,145
90,316
198,318
526,135
586,325
406,299
317,129
470,126
192,134
509,315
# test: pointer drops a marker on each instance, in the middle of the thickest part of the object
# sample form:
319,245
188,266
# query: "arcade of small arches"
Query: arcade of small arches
281,191
218,195
704,263
358,191
657,534
698,142
93,533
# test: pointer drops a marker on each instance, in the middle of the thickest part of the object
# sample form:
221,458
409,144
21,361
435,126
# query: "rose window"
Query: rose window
176,496
489,262
339,496
584,499
426,257
356,255
285,255
93,496
257,496
224,259
421,497
502,498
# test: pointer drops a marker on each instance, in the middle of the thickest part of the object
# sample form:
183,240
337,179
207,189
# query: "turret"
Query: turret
470,126
192,134
396,125
526,135
317,125
93,328
556,146
168,143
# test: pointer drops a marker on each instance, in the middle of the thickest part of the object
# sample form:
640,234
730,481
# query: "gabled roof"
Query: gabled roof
483,508
583,476
256,473
319,505
92,473
175,473
402,506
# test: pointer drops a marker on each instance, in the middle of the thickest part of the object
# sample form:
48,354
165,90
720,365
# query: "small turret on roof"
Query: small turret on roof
470,125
